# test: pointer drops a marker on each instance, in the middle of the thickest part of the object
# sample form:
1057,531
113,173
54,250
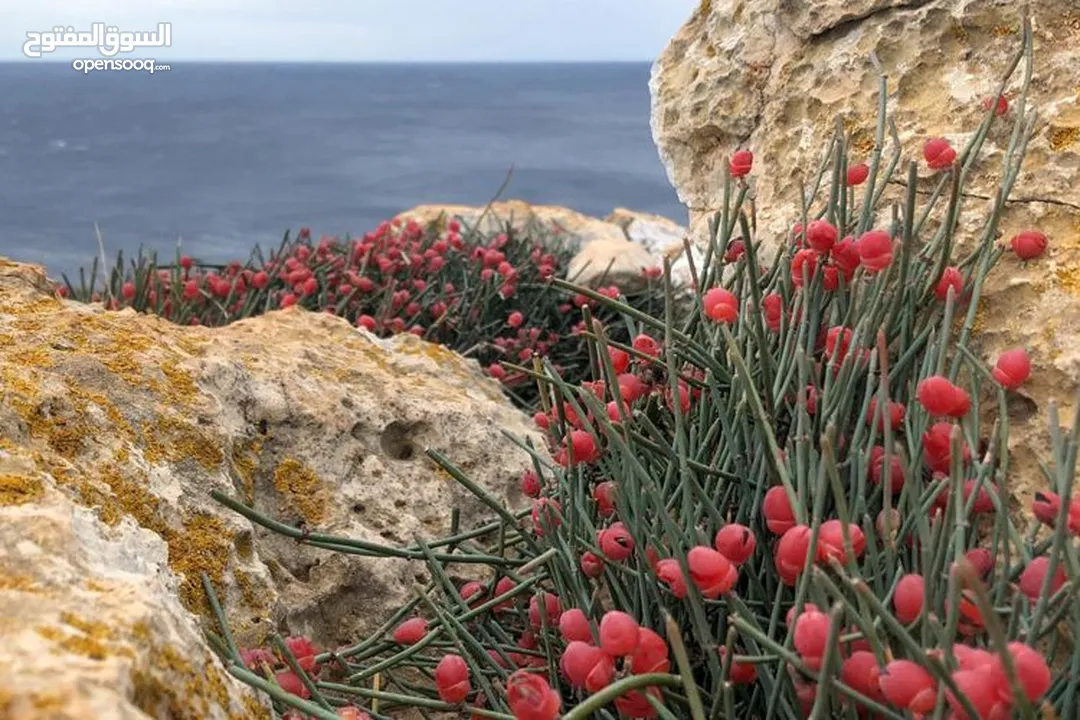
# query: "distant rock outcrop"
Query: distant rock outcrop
614,251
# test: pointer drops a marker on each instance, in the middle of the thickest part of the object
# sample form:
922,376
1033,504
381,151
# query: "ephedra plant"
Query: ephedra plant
788,505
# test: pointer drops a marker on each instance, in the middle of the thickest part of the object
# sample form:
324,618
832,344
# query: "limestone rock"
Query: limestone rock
772,76
90,622
306,418
613,251
656,234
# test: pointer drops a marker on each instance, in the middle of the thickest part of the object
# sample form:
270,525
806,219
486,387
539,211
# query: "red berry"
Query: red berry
552,609
909,686
735,250
452,679
291,683
831,541
530,697
186,262
546,515
620,359
741,673
741,163
875,250
712,573
616,542
857,174
618,633
896,412
1000,107
950,278
837,342
669,572
811,637
646,345
1032,672
472,590
735,542
1013,368
776,506
773,306
721,306
936,451
877,469
411,631
584,446
128,290
908,598
592,564
1045,507
805,261
938,153
574,625
635,703
821,235
1029,244
650,655
530,484
604,495
586,666
303,650
515,319
791,553
1034,575
941,398
861,672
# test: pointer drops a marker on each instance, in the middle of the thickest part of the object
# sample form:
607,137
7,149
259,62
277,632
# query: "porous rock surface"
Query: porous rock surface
772,76
307,419
90,623
613,251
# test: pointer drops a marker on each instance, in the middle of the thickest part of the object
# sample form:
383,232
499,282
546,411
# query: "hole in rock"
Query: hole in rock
357,431
1020,407
263,427
358,508
397,441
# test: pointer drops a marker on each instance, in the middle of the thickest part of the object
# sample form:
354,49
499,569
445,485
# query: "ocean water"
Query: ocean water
224,156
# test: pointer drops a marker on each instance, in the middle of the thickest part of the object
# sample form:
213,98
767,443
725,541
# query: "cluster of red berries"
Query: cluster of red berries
269,665
979,674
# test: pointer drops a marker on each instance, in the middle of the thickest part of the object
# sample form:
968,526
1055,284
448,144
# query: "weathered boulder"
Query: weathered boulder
772,76
613,251
298,414
89,617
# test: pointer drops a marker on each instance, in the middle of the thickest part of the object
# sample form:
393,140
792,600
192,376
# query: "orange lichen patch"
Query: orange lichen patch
31,307
203,546
20,489
245,458
19,583
1062,138
180,387
132,497
173,439
1004,30
93,644
172,686
31,357
302,490
1068,277
95,586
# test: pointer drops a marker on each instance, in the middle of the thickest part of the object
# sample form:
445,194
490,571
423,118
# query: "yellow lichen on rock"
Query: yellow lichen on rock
139,420
302,490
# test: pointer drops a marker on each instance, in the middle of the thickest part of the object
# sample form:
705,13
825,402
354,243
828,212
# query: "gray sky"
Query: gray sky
364,30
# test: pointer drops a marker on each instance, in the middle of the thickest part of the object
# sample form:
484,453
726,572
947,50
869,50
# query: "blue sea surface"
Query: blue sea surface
225,156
